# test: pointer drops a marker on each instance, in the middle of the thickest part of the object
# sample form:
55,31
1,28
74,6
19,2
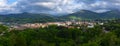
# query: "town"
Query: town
68,24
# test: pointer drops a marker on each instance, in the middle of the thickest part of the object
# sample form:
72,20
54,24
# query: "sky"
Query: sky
57,6
11,1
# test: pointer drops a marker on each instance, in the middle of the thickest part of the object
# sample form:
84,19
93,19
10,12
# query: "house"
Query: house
90,25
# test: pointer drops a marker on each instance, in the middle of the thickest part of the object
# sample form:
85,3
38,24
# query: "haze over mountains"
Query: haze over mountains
42,17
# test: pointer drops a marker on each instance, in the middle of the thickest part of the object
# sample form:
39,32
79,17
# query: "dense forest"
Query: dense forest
100,35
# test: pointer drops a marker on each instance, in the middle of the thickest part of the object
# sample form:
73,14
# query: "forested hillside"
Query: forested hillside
89,15
27,18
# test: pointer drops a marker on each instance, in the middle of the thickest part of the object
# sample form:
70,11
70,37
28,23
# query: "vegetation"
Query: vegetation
62,36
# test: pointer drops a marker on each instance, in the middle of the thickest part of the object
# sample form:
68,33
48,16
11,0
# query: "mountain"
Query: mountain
41,17
111,14
89,15
27,17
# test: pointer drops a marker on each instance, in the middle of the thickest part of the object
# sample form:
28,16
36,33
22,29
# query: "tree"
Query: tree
38,43
3,28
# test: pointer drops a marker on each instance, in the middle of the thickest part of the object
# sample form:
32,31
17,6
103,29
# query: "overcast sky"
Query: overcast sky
57,6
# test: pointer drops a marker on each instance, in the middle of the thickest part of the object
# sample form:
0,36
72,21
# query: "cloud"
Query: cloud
58,6
2,4
6,8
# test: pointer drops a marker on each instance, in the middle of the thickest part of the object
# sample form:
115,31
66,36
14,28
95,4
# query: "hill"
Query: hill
27,17
89,15
41,17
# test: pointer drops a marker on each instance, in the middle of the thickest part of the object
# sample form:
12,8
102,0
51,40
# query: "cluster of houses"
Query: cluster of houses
68,24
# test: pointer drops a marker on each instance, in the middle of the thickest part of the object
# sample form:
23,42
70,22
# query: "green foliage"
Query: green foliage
3,28
61,36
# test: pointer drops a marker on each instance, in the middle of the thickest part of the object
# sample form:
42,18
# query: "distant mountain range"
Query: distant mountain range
89,15
80,15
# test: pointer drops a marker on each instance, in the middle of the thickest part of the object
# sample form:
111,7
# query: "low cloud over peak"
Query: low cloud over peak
57,6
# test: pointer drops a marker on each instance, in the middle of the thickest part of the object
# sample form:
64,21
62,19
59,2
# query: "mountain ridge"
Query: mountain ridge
85,14
80,15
